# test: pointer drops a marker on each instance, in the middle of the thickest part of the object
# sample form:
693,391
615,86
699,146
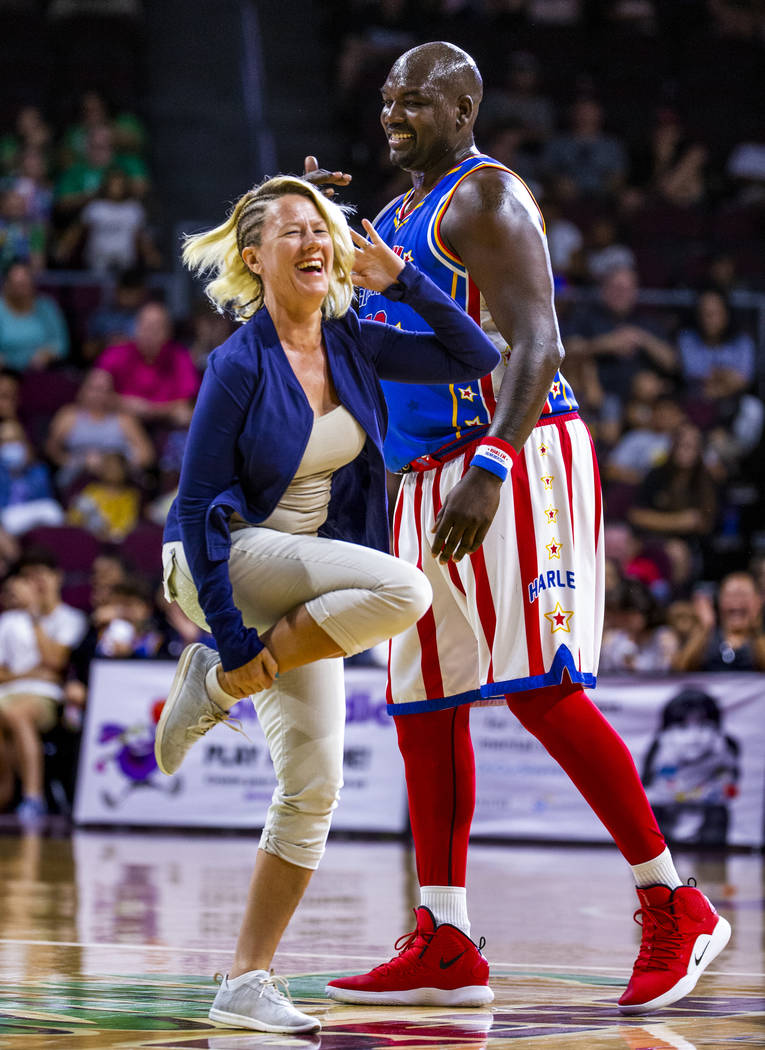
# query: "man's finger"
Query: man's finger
452,543
310,164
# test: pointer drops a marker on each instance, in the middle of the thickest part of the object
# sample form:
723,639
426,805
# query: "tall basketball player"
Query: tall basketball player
500,506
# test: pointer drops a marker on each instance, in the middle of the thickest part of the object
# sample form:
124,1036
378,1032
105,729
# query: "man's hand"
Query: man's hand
466,515
258,674
322,178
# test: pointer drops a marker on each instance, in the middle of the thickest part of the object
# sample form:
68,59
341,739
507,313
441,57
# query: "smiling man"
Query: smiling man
500,506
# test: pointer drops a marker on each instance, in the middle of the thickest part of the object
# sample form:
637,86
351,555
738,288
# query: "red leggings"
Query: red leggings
440,776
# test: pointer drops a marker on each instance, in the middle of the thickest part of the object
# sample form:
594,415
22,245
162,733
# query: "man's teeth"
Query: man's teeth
398,136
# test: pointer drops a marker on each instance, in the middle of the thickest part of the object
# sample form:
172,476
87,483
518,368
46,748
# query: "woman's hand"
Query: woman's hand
251,677
376,266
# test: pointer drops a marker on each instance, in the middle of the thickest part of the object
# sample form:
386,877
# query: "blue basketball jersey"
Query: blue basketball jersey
422,418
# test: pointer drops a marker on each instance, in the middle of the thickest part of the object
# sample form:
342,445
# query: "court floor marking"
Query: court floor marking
119,946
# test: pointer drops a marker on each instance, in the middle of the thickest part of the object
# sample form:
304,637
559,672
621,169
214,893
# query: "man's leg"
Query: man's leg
682,932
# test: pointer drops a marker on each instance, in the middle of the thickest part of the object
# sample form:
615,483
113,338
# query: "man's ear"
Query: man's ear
465,111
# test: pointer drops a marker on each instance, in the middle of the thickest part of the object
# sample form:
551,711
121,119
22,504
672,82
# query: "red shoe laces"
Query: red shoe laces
404,945
662,940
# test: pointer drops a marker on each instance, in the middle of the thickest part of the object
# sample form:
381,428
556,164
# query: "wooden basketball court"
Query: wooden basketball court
111,940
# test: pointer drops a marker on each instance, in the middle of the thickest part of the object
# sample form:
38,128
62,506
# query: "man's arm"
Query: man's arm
492,226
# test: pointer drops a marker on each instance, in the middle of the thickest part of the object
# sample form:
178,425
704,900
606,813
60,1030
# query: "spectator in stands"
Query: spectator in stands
208,330
37,634
112,228
132,631
593,163
109,506
21,238
154,378
31,132
107,571
643,448
678,498
81,182
605,252
26,492
716,357
114,321
673,167
521,99
33,332
82,433
732,640
614,334
635,639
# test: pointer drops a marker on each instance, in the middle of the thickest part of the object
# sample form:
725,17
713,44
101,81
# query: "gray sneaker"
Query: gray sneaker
261,1002
188,712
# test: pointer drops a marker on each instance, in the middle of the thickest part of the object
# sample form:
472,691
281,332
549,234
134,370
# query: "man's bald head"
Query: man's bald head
445,66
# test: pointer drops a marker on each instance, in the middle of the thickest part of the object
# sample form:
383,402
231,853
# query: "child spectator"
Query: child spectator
37,634
21,238
110,506
635,639
26,493
114,321
33,332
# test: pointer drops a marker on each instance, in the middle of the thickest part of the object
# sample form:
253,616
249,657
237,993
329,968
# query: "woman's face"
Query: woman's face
295,255
713,315
687,450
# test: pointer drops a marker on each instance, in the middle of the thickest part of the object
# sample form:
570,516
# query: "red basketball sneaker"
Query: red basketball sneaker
682,934
436,966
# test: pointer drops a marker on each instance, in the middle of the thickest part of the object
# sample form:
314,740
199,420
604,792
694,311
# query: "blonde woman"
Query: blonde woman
278,538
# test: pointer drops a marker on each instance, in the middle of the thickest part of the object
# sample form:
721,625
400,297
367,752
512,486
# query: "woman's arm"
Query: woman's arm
209,468
456,350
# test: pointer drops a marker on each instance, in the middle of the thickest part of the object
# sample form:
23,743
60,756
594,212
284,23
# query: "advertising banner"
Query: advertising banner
226,780
698,742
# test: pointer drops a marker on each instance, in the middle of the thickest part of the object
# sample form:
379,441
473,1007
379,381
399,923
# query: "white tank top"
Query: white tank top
336,439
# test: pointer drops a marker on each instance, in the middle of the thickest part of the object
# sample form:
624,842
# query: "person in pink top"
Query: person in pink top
154,378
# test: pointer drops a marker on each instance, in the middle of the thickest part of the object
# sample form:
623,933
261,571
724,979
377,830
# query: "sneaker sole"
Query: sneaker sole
720,937
469,995
172,696
222,1019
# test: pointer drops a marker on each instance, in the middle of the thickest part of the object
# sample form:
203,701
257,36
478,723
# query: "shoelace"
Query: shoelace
404,944
662,939
279,986
208,719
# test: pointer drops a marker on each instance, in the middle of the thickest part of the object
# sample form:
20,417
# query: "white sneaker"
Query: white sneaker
188,712
260,1001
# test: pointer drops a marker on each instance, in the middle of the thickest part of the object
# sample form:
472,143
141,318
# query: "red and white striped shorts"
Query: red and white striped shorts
528,605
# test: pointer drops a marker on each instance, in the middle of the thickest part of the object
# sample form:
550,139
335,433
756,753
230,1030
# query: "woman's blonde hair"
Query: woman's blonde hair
234,288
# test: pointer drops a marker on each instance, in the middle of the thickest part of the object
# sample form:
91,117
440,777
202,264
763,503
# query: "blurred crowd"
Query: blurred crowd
96,392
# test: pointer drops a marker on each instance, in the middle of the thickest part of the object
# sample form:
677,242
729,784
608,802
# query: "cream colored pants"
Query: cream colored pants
359,597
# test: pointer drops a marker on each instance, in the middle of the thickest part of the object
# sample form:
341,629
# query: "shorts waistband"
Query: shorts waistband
431,460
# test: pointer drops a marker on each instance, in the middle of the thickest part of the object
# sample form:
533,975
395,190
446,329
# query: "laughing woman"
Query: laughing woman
277,541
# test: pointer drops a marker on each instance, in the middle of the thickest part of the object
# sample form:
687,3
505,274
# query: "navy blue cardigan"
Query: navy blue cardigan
252,422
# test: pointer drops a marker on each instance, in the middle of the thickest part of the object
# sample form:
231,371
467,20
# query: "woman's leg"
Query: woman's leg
303,719
23,717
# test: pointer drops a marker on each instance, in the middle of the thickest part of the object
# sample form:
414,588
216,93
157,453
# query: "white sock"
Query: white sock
234,982
659,871
448,904
216,692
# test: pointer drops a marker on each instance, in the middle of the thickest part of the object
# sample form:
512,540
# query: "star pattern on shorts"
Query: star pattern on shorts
551,514
466,393
559,619
506,355
543,450
474,422
555,389
553,548
547,480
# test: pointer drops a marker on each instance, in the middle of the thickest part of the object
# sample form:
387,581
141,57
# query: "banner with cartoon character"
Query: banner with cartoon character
226,780
698,742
